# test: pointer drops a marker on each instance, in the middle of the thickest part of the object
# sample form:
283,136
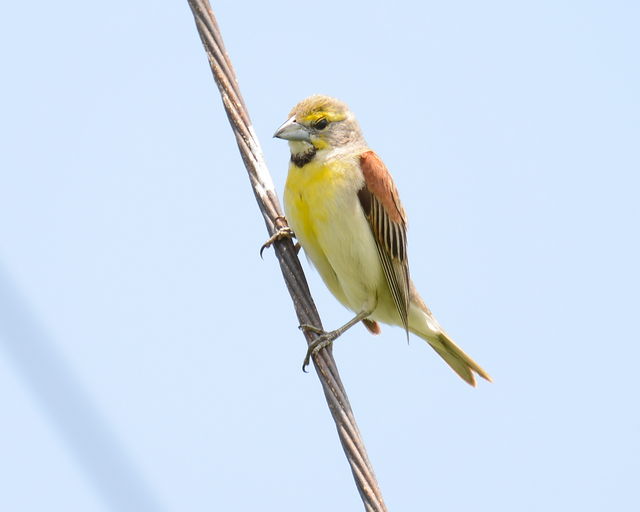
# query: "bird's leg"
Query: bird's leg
326,339
282,231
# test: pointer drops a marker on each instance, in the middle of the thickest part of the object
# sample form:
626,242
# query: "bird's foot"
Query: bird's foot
325,339
283,231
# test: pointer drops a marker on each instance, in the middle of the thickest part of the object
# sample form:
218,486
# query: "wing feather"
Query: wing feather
381,205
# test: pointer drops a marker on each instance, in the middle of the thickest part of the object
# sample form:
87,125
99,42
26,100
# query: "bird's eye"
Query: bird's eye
321,124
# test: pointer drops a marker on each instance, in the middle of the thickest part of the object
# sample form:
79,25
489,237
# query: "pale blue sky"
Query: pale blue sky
149,360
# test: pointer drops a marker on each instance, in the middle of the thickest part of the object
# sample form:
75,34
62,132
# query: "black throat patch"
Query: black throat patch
302,159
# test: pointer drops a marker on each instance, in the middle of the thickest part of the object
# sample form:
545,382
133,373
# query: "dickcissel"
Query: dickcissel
344,209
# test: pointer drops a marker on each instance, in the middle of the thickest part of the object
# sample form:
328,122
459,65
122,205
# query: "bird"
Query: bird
343,207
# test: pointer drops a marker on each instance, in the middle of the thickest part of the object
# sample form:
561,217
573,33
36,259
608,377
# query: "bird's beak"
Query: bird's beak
291,130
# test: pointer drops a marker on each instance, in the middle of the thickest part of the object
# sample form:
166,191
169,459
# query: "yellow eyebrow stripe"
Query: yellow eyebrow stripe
329,116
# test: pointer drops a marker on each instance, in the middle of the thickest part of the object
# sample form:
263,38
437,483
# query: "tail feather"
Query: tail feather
456,358
422,323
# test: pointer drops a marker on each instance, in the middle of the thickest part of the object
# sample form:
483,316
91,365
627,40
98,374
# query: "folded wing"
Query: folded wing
381,205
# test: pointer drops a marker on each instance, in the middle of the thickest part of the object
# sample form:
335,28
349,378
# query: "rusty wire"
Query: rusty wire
267,199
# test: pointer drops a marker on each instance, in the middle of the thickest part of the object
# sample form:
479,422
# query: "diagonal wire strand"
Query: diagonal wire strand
269,205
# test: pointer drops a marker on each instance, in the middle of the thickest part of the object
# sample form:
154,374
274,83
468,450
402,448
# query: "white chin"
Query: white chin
299,146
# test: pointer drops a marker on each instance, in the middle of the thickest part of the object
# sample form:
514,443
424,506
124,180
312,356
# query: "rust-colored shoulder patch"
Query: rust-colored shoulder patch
379,182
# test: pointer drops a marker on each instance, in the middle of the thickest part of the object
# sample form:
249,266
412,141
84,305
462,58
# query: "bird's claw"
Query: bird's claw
280,234
325,339
311,328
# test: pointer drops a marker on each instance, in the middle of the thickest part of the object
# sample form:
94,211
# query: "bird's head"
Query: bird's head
318,123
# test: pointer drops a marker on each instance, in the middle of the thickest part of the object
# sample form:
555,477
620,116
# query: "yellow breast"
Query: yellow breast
311,196
322,207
